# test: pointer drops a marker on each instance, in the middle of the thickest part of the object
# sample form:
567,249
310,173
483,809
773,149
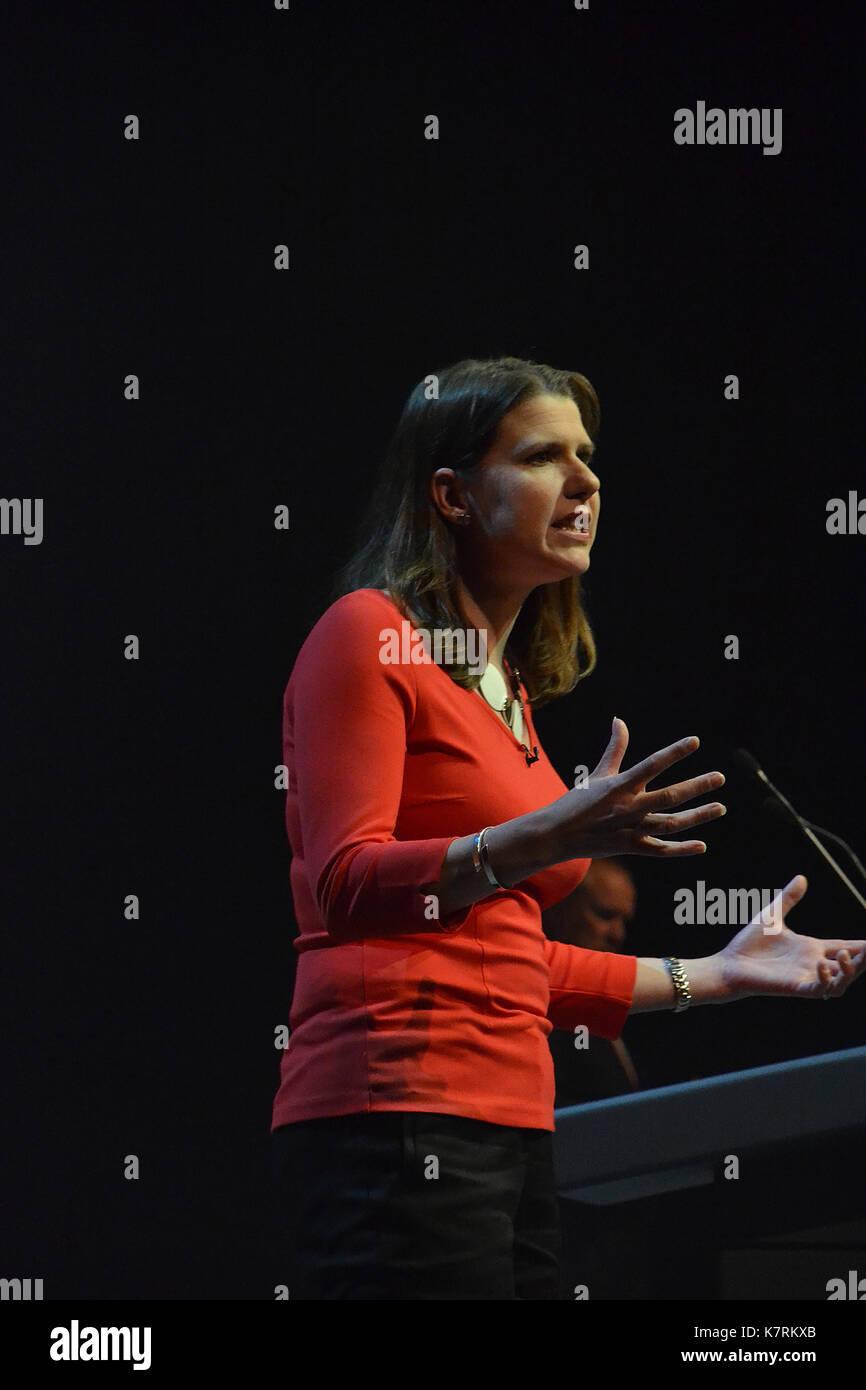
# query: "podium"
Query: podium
685,1180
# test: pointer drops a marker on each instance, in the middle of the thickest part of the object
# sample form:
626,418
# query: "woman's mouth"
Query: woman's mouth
577,524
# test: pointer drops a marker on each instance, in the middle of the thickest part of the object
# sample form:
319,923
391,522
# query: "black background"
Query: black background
261,388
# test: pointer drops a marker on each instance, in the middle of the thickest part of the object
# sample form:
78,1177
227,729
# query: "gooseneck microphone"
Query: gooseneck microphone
751,764
776,808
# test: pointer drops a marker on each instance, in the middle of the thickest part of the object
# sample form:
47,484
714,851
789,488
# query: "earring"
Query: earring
464,518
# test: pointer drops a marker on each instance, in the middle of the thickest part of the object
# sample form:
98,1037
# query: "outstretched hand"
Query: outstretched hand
766,957
613,813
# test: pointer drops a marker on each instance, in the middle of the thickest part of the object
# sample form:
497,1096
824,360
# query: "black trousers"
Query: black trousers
407,1205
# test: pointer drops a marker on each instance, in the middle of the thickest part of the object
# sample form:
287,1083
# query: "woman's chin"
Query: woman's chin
574,561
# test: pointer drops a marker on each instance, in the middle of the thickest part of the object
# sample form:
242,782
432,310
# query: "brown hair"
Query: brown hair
409,549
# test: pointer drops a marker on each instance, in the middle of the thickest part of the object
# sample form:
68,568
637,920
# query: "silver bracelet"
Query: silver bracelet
480,859
681,983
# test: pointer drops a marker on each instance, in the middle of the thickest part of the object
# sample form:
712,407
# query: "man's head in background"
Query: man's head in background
596,915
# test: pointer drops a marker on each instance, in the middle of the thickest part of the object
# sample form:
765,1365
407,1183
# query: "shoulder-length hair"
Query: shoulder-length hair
405,546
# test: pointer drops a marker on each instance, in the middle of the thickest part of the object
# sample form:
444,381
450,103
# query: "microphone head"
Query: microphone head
780,810
744,759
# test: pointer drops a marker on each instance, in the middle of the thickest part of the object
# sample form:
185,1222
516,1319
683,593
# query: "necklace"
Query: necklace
496,695
504,706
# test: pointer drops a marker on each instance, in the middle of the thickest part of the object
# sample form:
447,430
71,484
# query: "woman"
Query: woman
412,1126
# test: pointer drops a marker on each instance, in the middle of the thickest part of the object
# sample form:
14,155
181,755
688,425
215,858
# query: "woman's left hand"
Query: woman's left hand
767,958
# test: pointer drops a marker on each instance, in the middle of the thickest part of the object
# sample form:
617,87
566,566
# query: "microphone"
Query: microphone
530,757
745,760
777,809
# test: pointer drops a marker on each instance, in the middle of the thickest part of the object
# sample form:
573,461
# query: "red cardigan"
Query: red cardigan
394,1009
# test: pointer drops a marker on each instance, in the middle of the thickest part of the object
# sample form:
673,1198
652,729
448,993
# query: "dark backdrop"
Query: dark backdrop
260,387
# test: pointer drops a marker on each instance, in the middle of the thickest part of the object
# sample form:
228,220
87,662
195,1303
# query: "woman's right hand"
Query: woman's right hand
613,813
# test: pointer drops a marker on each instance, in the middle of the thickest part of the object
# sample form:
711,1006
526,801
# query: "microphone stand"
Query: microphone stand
745,758
779,810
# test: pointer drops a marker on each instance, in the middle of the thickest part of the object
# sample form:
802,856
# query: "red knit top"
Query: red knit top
395,1008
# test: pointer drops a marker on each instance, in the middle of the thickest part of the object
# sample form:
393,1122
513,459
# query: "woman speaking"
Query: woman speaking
412,1128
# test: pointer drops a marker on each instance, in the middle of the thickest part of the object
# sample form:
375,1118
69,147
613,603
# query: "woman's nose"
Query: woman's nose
585,482
583,492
